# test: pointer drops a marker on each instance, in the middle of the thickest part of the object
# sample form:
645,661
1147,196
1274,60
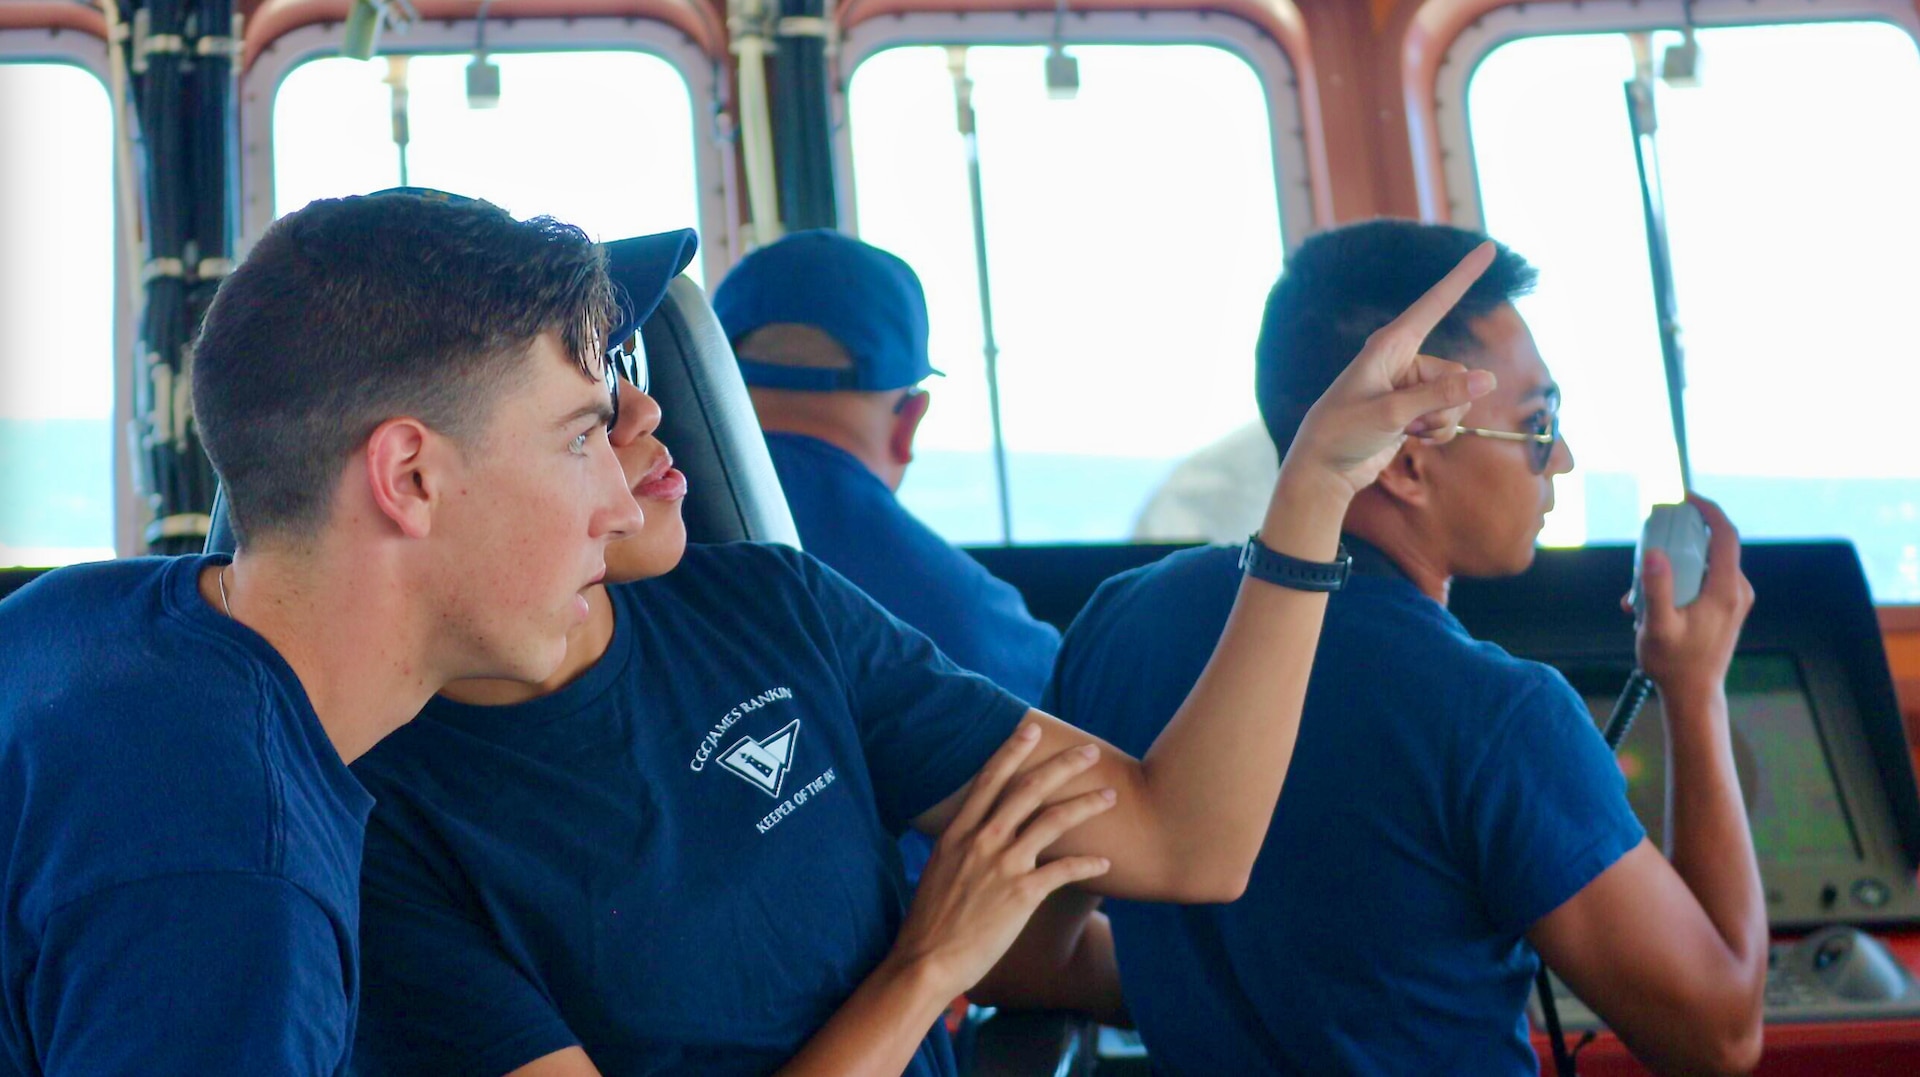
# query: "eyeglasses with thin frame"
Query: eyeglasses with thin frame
906,398
1542,441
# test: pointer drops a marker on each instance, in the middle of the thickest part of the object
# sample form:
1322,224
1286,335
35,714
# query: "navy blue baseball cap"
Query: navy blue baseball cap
641,268
868,301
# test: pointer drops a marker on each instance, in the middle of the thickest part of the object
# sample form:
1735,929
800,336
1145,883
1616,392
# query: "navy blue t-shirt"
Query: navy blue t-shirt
181,888
849,519
685,860
1442,797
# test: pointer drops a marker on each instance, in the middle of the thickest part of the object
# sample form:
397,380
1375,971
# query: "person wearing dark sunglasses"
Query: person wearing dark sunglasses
1452,808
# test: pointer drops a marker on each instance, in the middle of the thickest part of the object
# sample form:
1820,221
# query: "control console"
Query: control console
1835,974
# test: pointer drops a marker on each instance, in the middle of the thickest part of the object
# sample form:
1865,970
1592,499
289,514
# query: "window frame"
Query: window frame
707,87
87,50
1303,193
1439,129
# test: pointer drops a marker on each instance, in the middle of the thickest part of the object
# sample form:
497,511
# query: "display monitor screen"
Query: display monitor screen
1793,801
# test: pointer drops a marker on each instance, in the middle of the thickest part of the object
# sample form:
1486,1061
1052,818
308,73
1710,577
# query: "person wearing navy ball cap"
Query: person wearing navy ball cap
831,336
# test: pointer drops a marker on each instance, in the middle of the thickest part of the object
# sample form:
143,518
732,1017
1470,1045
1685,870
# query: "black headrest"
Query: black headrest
708,423
220,533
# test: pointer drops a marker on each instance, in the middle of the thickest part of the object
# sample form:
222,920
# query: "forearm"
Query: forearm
1212,777
1063,960
1708,840
879,1027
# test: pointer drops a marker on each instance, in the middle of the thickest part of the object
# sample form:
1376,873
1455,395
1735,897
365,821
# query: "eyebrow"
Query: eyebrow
603,409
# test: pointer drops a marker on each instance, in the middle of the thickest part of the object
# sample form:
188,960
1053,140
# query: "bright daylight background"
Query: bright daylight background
603,140
1789,193
1132,235
56,315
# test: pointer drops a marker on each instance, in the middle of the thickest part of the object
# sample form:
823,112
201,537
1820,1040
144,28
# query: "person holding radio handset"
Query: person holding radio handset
1448,804
1672,951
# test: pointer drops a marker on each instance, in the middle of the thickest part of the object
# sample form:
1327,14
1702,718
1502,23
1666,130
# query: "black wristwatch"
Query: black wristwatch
1264,563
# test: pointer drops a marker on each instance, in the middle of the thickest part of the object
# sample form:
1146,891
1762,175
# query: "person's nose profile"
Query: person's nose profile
1562,457
619,514
639,416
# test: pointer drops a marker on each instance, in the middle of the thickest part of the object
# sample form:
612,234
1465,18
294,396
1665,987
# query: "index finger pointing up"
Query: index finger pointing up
1418,320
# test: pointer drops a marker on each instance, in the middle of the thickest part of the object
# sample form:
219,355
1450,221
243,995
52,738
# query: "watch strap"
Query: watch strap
1264,563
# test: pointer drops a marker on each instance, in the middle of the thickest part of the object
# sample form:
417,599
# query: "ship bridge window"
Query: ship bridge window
1784,168
1131,229
601,139
57,298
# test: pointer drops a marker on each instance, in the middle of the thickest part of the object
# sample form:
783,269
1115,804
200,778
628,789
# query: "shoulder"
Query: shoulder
76,593
754,564
1193,578
134,743
111,661
1407,628
1183,596
1143,637
745,589
1380,626
818,476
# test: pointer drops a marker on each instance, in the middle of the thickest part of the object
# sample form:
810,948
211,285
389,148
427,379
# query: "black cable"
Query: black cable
180,63
1563,1063
802,119
1633,697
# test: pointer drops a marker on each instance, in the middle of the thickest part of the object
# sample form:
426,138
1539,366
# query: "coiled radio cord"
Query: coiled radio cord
1633,698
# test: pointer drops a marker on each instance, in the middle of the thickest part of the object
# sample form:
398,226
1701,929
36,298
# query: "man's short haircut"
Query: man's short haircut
355,311
1342,285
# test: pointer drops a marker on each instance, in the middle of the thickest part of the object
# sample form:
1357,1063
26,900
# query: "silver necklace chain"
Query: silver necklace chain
224,604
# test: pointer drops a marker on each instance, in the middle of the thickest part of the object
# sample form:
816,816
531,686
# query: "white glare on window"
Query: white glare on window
1788,188
56,316
604,140
1132,235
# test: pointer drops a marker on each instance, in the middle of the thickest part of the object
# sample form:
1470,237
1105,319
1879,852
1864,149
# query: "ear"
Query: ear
905,425
1408,479
399,453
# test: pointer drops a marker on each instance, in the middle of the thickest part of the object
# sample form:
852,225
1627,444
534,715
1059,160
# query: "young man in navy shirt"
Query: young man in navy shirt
405,398
1449,803
831,335
677,854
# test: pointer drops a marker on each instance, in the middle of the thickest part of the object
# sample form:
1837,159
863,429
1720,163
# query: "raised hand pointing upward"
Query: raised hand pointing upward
1392,392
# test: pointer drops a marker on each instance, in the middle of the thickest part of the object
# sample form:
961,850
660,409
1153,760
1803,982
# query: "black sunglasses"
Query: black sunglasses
627,359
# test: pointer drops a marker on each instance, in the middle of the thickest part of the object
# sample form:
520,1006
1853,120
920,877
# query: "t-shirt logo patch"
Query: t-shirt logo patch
764,763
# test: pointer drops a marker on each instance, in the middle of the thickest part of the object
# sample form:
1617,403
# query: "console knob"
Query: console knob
1872,893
